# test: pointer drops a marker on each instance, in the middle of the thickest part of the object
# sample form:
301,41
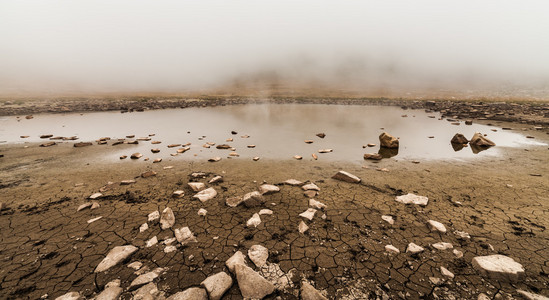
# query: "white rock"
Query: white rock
310,187
388,219
308,292
202,212
253,199
531,296
217,285
143,227
436,226
446,272
258,255
169,249
193,293
308,214
457,253
95,205
442,246
412,199
178,194
111,292
251,284
197,186
167,220
413,248
206,194
95,196
265,212
153,241
237,258
293,182
254,221
147,292
136,265
94,219
462,235
391,249
268,189
216,179
146,278
154,216
499,267
302,227
346,176
316,204
127,182
116,255
70,296
84,206
169,241
185,236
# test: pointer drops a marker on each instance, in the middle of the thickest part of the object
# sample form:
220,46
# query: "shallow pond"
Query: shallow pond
277,131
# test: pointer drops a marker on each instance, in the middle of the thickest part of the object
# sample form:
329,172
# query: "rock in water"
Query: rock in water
185,236
258,255
436,226
412,199
251,284
70,296
388,141
136,155
197,186
373,156
82,144
459,139
254,221
217,285
268,189
167,220
479,140
308,292
206,194
253,199
321,135
116,255
237,258
499,267
346,176
193,293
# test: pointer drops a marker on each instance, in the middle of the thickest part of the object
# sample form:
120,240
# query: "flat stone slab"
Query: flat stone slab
442,246
217,285
251,284
302,227
193,293
145,278
346,176
184,236
206,194
253,199
268,189
436,226
413,248
237,258
293,182
499,267
316,204
233,201
412,199
308,214
310,187
154,216
70,296
258,255
196,186
116,255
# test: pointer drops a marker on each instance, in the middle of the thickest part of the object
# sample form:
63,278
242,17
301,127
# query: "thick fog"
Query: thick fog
179,46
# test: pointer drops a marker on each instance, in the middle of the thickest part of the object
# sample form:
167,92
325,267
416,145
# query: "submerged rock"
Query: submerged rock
412,199
167,220
217,285
388,141
346,176
258,255
251,284
206,194
116,255
499,267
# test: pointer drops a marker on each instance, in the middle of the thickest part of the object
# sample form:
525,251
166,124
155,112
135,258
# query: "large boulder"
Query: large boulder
346,176
459,139
499,267
480,141
388,141
116,255
251,284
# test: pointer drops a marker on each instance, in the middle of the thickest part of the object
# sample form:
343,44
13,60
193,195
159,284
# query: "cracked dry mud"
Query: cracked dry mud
48,248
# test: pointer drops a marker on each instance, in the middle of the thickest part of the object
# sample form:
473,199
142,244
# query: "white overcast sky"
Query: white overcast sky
174,45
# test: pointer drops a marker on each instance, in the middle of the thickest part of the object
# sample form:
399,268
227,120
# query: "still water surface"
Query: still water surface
278,131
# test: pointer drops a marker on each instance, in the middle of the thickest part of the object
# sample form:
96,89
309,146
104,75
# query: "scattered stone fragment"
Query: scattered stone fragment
315,157
462,235
170,249
184,236
82,144
111,292
123,156
308,141
254,221
157,160
167,167
435,280
413,248
46,136
325,150
371,145
256,158
268,189
233,201
94,219
468,122
151,242
258,255
202,212
483,296
302,227
84,206
388,219
95,205
373,156
216,179
412,199
265,212
499,267
223,146
234,154
183,150
293,182
445,272
388,141
316,204
436,226
321,135
308,292
298,157
116,255
237,258
308,214
214,159
457,253
479,140
217,285
136,155
253,199
206,194
197,186
193,293
178,194
143,227
167,220
127,182
310,194
95,196
70,296
148,292
155,142
148,174
145,278
442,246
173,145
531,296
251,146
24,136
310,186
154,216
251,284
392,249
346,176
